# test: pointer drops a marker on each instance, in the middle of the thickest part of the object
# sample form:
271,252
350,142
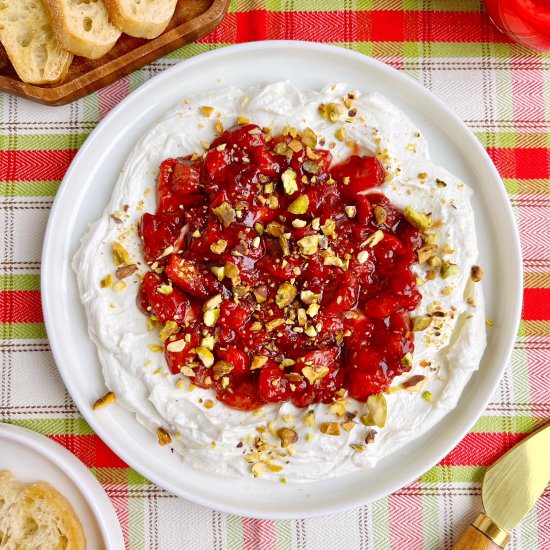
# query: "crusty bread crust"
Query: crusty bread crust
149,25
75,38
32,48
36,516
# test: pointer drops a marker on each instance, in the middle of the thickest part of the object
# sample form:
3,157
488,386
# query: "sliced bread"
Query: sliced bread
35,517
31,46
83,26
141,18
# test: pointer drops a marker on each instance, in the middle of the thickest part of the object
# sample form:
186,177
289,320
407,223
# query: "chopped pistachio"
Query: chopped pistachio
374,239
418,220
288,178
106,282
275,229
169,329
299,205
311,167
231,270
176,346
309,138
105,400
166,290
311,332
351,211
315,372
221,368
299,223
125,271
205,355
328,227
330,428
308,297
426,252
357,448
258,361
274,324
285,294
313,309
207,111
211,316
119,286
476,274
378,409
120,254
434,261
407,360
338,407
213,302
242,120
164,438
219,246
363,256
258,469
448,269
333,260
219,272
422,322
427,395
380,214
287,437
225,213
414,383
340,134
331,111
309,245
309,419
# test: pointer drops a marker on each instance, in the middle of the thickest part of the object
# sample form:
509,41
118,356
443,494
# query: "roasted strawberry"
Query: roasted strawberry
162,235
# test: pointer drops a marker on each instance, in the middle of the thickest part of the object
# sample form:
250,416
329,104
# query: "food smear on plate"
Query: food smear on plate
283,284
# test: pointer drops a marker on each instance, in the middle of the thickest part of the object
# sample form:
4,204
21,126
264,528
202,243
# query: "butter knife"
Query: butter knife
510,489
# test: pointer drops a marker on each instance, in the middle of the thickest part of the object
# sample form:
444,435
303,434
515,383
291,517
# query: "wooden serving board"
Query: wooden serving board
192,19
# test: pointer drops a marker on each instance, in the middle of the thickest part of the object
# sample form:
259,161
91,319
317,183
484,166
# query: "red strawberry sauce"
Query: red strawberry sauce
297,271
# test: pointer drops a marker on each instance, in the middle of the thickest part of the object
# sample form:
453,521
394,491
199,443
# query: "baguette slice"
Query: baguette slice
27,37
83,26
36,517
141,18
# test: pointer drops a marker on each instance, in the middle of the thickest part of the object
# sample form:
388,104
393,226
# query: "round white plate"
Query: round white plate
87,187
32,457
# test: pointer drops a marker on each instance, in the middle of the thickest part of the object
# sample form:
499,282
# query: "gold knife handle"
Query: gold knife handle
483,534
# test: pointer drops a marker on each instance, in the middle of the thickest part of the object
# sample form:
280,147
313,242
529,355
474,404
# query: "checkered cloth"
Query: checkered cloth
501,91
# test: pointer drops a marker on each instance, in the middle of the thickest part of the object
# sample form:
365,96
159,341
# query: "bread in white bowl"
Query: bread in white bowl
35,516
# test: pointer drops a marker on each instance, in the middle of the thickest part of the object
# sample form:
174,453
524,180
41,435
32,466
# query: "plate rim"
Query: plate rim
466,423
88,485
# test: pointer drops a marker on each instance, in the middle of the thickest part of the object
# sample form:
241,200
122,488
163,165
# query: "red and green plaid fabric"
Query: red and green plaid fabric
502,92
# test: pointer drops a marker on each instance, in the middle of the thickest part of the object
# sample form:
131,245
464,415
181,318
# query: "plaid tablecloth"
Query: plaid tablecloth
501,91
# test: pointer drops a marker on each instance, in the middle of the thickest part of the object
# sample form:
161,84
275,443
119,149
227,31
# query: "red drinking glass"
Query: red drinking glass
526,21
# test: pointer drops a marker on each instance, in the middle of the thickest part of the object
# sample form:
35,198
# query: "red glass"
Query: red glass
526,21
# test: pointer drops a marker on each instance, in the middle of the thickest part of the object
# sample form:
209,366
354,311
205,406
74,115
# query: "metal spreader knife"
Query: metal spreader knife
510,489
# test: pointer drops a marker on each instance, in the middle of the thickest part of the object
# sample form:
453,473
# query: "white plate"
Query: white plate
87,187
32,457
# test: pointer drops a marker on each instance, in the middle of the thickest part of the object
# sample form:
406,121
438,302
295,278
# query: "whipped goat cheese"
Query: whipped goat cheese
223,440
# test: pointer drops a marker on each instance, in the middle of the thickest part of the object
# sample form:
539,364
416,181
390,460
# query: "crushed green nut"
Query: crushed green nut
299,205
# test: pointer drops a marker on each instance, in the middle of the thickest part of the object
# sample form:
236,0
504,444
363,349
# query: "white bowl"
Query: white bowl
87,187
31,457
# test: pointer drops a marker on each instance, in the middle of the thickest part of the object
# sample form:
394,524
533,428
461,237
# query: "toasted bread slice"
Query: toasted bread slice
83,27
141,18
35,516
32,48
